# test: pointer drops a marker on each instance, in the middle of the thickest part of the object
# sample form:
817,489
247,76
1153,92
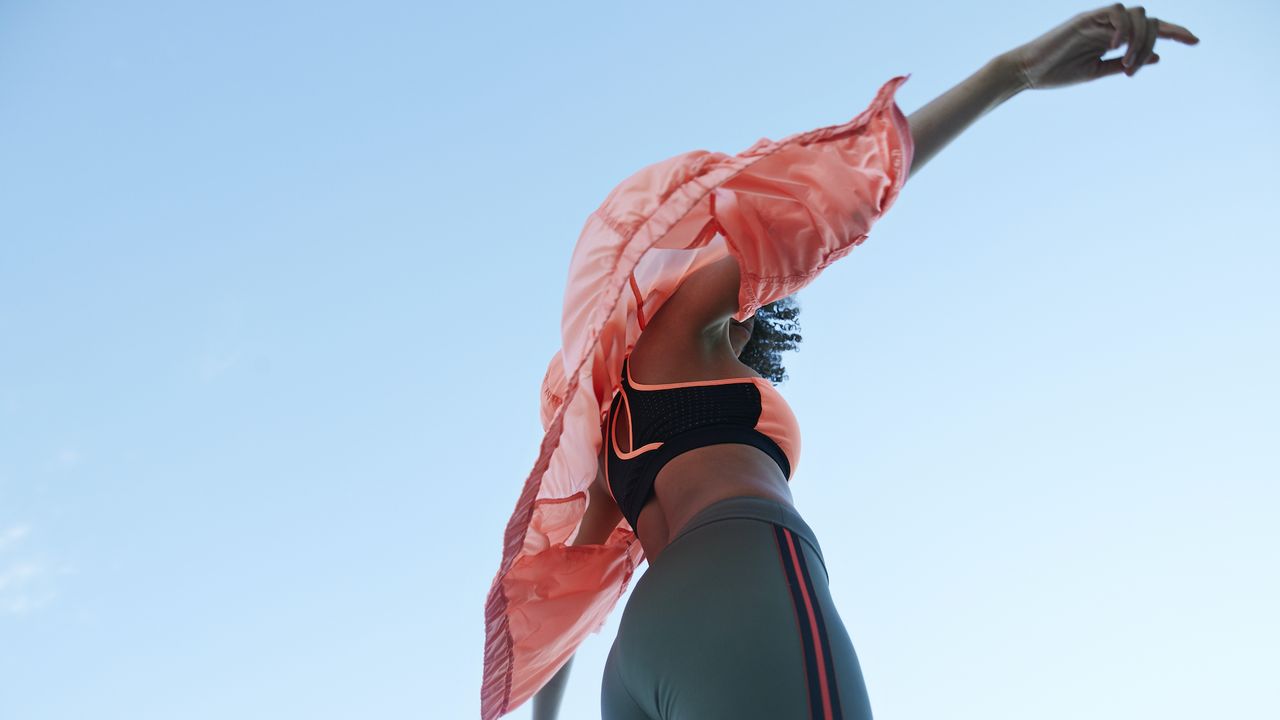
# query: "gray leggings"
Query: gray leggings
735,620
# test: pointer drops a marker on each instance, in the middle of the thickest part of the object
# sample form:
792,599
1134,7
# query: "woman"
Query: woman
660,433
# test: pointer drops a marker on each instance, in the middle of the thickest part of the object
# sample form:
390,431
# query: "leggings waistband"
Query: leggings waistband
754,508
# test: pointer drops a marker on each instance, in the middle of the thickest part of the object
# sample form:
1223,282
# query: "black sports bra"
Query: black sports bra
672,418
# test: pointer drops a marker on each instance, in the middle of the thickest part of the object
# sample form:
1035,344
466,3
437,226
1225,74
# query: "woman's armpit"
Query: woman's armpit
704,300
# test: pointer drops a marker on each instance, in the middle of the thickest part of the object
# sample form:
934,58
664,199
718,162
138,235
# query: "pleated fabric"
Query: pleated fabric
785,210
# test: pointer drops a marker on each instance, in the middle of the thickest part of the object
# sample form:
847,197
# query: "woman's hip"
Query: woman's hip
736,616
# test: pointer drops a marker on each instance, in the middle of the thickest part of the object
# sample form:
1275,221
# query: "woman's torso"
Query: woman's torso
667,353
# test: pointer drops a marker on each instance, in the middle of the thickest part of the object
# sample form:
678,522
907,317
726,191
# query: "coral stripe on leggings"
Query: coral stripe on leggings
817,654
735,620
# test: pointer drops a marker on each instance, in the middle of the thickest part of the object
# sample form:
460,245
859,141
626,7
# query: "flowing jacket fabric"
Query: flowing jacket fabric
785,210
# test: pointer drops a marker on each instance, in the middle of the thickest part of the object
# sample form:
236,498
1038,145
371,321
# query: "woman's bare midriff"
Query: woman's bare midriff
700,477
671,350
695,479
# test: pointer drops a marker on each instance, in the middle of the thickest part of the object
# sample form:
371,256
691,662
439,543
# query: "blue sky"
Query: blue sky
278,284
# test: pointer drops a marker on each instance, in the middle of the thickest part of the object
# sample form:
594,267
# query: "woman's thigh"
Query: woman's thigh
735,620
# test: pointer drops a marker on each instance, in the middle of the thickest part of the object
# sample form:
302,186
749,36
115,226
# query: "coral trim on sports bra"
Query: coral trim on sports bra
665,420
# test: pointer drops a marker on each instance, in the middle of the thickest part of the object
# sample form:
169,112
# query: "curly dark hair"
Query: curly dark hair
776,330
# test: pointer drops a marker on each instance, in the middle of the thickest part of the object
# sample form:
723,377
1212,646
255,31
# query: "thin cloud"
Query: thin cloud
26,583
18,575
12,536
213,366
66,458
24,588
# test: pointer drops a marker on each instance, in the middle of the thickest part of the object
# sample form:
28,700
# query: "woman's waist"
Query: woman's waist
695,480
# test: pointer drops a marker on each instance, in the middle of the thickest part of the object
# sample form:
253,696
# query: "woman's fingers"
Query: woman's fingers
1122,19
1138,19
1145,53
1133,27
1121,22
1177,32
1113,66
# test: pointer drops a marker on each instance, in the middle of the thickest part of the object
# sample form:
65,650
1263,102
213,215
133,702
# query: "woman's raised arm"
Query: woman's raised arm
935,125
1069,54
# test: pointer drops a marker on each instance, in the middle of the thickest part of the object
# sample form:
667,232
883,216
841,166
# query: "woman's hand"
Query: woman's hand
1072,52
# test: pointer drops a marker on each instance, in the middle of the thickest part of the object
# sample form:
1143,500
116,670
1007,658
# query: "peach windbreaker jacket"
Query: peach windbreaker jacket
785,210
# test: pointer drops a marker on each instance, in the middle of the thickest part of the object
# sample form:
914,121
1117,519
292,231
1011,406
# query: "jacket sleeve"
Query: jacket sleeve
785,210
812,198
